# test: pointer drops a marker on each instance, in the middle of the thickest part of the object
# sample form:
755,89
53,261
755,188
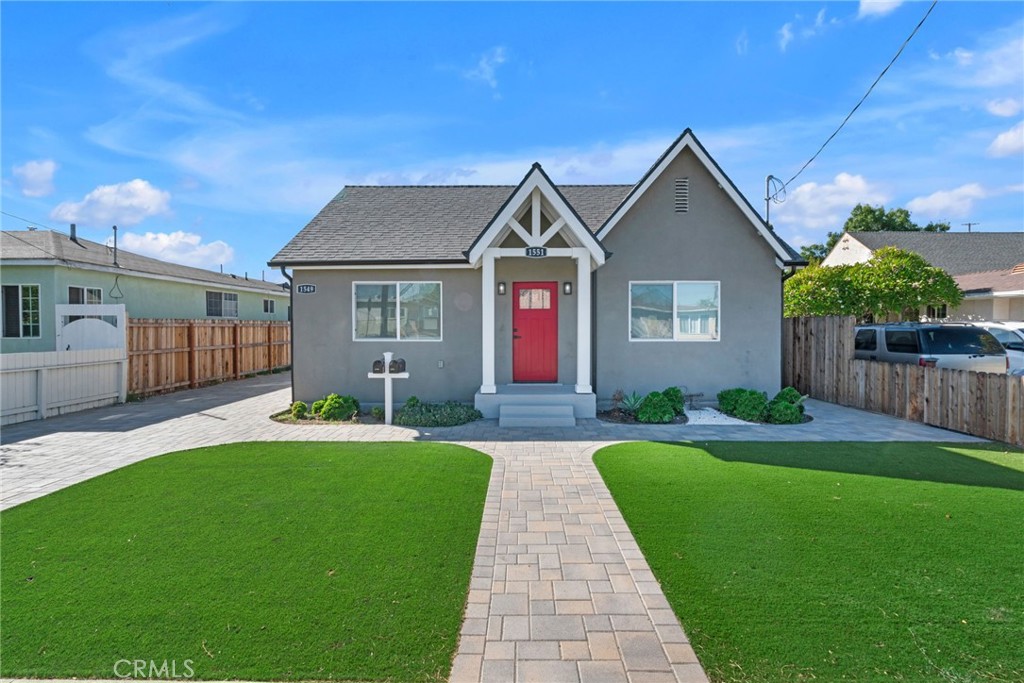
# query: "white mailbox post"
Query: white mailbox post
388,376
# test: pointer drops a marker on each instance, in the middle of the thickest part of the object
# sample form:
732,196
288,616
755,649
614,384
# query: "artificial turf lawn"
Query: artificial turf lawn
834,561
255,561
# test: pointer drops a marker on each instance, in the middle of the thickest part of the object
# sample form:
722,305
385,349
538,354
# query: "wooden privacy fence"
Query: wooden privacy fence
818,360
167,354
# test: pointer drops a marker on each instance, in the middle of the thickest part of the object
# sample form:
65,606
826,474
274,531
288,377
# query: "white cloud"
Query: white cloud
1005,107
1009,143
121,204
182,247
742,43
877,8
36,177
813,206
956,203
785,35
486,69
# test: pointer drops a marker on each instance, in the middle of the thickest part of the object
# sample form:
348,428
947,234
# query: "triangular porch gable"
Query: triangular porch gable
689,141
536,212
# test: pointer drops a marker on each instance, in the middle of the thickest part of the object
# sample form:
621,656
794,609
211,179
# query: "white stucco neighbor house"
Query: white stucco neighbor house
541,299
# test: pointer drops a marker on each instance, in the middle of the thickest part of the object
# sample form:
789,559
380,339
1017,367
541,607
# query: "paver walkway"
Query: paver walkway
560,590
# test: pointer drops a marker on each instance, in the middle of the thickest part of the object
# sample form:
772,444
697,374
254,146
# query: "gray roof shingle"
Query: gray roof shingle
420,223
955,252
48,245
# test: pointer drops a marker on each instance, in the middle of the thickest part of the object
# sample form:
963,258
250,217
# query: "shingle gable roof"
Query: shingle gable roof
420,223
48,245
955,252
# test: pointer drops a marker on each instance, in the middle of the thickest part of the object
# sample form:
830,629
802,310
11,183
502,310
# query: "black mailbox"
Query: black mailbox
397,365
378,367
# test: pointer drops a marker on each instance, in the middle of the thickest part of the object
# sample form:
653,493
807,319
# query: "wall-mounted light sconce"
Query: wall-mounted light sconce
567,288
501,288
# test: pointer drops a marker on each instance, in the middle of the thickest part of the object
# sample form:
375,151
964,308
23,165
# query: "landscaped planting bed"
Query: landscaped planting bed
259,561
834,561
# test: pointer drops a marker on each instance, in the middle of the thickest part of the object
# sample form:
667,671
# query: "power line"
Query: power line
29,221
857,106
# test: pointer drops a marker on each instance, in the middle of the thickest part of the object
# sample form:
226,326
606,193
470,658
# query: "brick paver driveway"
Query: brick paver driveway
560,591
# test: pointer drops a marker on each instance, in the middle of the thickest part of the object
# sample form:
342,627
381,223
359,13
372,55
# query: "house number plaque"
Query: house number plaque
305,289
536,252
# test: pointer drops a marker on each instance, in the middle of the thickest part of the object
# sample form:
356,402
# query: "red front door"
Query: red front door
535,332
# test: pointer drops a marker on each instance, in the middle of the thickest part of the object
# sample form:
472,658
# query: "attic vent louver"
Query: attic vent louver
682,195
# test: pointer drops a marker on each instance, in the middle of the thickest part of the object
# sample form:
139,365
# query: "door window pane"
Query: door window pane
534,299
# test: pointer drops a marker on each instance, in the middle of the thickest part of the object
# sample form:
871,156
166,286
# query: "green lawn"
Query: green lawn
254,561
834,561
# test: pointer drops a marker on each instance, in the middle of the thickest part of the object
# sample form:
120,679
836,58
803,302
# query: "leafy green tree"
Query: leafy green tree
867,218
893,283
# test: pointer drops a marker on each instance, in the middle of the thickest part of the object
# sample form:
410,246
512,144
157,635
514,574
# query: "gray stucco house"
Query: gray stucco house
540,299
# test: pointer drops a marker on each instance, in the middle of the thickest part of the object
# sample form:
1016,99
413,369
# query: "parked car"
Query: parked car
1011,336
958,346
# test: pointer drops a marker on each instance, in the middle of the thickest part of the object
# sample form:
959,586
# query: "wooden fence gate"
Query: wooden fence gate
818,361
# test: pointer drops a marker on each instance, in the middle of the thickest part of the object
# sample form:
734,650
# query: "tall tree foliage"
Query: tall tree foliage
894,281
867,218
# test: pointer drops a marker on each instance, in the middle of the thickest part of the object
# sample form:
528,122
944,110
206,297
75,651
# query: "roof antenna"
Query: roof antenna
969,225
115,246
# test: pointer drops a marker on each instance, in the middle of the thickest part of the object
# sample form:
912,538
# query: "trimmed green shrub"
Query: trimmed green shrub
632,403
337,408
656,409
448,414
675,399
729,398
752,406
790,395
377,412
299,410
784,413
317,406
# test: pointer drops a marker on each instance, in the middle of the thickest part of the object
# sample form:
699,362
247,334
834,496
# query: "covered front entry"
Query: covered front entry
535,332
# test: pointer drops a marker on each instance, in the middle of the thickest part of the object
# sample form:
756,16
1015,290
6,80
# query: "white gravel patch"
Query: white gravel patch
710,416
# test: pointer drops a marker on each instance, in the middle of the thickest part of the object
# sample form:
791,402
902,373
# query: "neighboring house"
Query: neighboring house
988,267
40,269
541,295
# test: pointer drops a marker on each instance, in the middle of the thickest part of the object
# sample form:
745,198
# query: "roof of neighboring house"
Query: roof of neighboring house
420,223
995,281
49,245
955,252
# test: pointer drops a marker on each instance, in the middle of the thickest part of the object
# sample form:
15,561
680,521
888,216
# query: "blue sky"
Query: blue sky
211,133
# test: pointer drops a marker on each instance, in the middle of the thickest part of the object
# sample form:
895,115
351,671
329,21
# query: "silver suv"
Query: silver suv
945,345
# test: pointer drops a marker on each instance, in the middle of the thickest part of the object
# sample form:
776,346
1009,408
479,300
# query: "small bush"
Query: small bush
790,395
784,413
631,404
337,408
448,414
752,406
655,409
299,410
317,407
729,398
675,399
377,412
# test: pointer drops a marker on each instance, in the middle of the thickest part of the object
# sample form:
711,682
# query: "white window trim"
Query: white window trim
85,293
272,307
221,316
672,283
398,310
39,297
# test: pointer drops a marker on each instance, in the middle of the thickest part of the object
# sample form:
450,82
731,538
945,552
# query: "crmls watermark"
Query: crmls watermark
150,668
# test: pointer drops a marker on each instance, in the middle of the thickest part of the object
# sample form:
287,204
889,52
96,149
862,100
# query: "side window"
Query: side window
901,341
866,340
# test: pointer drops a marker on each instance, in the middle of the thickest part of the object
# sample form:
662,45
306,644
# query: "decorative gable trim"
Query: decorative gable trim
688,141
535,187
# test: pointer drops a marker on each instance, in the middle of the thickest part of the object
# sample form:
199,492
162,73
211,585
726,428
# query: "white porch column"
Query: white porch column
487,385
583,385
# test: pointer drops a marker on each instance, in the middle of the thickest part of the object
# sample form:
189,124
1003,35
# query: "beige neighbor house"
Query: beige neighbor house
988,267
541,297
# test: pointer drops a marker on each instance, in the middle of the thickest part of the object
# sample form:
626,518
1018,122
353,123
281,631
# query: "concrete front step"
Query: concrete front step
536,416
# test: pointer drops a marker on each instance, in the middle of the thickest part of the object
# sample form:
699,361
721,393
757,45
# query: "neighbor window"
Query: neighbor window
674,311
409,311
221,305
21,310
85,295
268,305
936,311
